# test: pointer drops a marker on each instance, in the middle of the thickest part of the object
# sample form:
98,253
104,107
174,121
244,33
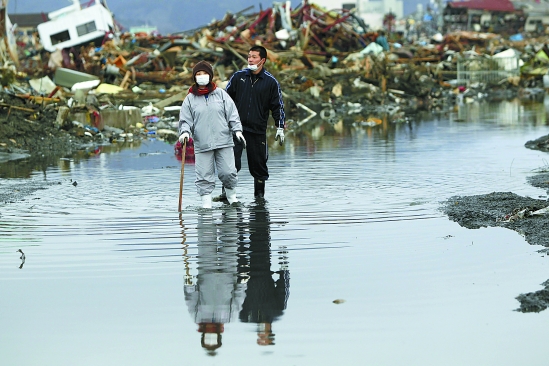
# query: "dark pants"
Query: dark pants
257,153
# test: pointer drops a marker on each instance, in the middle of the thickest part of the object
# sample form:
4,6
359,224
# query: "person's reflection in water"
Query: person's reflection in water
266,298
216,297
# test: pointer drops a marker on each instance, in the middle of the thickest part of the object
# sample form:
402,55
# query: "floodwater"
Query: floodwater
349,260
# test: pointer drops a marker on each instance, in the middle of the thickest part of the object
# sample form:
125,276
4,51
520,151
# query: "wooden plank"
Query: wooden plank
125,80
419,59
38,99
174,98
18,108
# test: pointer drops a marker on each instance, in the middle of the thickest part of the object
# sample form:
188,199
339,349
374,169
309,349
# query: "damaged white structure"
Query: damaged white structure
371,11
73,26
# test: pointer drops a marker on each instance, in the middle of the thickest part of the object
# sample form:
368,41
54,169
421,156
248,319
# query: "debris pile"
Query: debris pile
521,213
328,63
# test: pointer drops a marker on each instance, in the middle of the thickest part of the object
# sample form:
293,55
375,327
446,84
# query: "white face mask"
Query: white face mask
202,79
254,67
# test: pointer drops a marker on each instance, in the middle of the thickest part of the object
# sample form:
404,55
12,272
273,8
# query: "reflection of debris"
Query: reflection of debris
534,302
541,143
370,122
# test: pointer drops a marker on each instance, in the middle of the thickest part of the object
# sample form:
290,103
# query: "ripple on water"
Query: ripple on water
352,218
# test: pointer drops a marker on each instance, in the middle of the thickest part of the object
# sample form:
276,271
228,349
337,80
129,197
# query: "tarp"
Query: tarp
491,5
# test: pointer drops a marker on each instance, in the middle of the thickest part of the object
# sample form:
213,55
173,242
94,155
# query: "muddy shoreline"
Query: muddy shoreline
514,212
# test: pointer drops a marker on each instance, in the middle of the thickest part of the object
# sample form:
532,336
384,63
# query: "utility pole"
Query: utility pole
440,20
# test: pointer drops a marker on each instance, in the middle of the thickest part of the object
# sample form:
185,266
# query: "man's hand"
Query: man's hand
240,136
184,137
280,135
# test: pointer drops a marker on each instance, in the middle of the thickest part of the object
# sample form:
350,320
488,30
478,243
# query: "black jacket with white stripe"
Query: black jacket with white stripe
254,99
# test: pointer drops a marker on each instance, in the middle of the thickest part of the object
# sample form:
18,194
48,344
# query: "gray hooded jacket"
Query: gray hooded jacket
210,121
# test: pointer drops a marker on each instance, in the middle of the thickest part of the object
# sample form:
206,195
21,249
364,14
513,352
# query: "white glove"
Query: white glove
184,137
280,135
240,136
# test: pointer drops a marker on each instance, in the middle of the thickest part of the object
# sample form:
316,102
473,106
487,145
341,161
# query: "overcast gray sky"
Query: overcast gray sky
169,16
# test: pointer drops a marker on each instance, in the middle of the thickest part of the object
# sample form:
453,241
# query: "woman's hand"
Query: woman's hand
184,137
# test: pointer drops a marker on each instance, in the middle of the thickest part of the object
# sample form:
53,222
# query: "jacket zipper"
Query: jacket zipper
207,97
250,100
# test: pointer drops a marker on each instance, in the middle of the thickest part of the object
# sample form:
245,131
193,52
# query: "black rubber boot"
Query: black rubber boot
259,188
222,197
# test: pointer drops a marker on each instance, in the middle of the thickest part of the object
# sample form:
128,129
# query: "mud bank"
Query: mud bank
12,191
24,133
501,209
514,212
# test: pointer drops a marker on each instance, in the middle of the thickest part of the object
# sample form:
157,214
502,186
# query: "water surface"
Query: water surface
114,275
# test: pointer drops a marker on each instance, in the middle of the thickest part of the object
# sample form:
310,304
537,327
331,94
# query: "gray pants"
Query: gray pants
206,164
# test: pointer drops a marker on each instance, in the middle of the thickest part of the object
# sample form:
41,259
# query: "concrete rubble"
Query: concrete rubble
327,62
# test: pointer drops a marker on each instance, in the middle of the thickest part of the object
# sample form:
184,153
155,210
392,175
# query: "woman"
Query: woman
211,117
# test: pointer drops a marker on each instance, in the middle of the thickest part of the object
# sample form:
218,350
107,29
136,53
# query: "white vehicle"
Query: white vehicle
74,26
536,23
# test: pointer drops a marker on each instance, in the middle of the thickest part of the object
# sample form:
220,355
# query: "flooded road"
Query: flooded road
348,261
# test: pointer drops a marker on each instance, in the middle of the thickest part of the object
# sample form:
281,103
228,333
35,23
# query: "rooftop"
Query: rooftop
491,5
28,20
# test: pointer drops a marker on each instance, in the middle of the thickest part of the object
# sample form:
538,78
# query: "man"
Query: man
255,92
382,41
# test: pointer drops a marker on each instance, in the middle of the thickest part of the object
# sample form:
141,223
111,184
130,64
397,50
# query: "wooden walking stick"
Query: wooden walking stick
182,173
